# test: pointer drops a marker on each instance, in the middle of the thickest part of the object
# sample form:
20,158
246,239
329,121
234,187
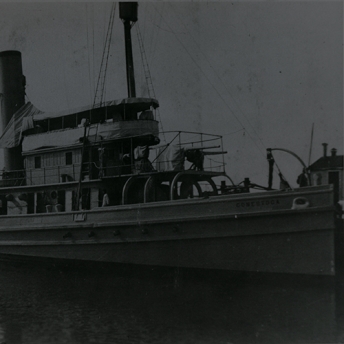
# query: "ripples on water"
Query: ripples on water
40,305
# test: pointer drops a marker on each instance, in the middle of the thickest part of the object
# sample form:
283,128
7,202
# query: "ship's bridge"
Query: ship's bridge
29,120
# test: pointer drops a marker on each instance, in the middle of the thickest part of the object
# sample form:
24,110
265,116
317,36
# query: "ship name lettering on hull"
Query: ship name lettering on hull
257,203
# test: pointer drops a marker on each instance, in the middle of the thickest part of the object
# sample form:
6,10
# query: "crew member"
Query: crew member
106,200
302,179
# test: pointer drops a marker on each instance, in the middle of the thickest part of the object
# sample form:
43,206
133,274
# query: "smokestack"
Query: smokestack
12,97
325,149
333,152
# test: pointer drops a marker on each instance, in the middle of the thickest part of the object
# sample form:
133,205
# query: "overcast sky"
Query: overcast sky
258,73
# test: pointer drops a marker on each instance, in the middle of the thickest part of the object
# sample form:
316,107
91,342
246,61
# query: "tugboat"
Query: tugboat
95,184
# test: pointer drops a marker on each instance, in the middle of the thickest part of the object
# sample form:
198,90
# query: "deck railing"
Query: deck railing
193,146
181,151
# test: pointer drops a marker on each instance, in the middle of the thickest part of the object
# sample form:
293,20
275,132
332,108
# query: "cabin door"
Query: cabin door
333,178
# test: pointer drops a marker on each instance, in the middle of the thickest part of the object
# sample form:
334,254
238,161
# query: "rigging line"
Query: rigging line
310,148
216,161
64,69
99,81
102,73
108,52
157,32
148,76
144,21
167,145
159,27
218,93
143,11
106,46
88,55
144,60
233,99
234,132
93,50
279,172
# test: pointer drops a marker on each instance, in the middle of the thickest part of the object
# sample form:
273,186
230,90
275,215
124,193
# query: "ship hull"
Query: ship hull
248,232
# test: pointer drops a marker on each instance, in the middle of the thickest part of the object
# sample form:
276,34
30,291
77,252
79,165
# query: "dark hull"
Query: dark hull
249,232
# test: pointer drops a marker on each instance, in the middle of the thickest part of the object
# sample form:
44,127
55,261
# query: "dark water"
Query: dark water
43,305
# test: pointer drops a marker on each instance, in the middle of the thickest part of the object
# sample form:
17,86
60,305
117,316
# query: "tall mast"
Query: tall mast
128,15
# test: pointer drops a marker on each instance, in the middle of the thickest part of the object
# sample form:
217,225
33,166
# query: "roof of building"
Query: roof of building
328,162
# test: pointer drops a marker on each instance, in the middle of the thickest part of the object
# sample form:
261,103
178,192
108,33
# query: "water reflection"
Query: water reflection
38,305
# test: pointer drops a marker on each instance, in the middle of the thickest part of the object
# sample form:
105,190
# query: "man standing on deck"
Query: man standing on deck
106,200
302,179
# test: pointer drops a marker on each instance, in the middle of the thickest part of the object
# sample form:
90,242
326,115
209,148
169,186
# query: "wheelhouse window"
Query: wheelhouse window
69,158
38,162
